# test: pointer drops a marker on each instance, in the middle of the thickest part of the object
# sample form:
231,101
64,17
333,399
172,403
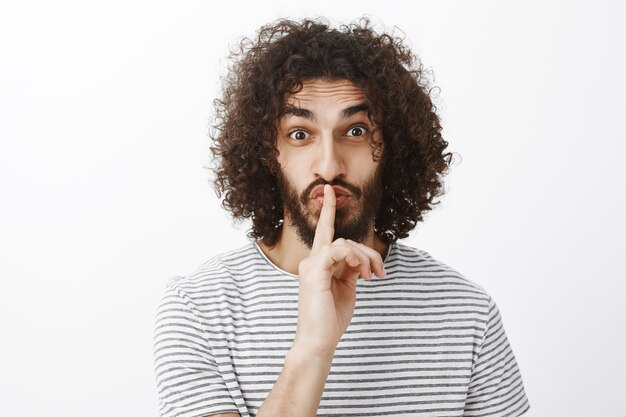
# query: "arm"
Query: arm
326,301
299,386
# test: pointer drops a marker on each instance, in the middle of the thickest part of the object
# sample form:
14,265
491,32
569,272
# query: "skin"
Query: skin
332,152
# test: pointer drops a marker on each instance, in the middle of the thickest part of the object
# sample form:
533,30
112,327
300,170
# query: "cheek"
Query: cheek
287,159
292,174
293,165
364,165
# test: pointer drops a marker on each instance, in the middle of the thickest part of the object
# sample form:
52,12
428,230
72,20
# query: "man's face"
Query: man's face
324,137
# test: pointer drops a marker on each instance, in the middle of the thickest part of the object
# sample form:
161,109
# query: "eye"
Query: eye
357,131
298,134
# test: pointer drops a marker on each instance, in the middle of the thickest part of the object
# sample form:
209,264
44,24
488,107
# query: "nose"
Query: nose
329,159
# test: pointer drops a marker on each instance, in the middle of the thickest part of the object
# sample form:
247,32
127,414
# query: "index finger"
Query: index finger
325,229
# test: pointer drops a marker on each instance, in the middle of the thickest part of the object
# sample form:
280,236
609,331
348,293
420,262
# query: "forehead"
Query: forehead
319,89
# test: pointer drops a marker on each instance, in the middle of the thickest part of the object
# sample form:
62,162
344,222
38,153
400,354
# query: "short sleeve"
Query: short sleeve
188,380
496,388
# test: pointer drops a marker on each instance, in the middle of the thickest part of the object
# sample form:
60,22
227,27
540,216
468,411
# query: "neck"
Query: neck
289,251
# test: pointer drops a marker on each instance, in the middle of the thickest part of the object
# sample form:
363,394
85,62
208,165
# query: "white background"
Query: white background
104,113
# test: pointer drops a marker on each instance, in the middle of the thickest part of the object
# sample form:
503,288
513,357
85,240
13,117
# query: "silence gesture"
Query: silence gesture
328,278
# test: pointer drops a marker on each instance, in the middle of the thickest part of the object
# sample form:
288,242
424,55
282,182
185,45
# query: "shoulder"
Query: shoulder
218,272
431,270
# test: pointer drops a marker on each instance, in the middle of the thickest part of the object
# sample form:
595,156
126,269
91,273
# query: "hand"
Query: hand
328,278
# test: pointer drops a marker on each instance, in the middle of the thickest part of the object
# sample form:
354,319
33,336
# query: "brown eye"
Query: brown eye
298,135
357,131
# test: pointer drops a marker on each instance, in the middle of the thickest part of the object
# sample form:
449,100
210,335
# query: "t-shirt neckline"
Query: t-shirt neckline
390,250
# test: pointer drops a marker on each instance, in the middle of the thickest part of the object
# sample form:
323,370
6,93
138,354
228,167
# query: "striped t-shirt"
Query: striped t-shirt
423,341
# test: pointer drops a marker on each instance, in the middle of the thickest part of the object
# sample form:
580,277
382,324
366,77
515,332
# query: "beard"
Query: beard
352,221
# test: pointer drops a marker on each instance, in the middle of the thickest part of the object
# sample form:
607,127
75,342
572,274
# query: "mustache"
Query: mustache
304,197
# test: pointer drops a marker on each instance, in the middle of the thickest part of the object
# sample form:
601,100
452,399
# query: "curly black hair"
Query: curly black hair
264,71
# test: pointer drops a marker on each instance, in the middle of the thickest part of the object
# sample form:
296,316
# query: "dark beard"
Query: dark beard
356,228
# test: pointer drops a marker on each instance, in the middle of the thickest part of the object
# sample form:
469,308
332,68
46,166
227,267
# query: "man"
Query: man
328,140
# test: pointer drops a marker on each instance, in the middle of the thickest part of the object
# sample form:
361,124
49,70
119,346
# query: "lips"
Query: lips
319,192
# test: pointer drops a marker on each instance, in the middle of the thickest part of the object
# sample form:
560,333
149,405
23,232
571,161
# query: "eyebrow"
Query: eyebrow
308,114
